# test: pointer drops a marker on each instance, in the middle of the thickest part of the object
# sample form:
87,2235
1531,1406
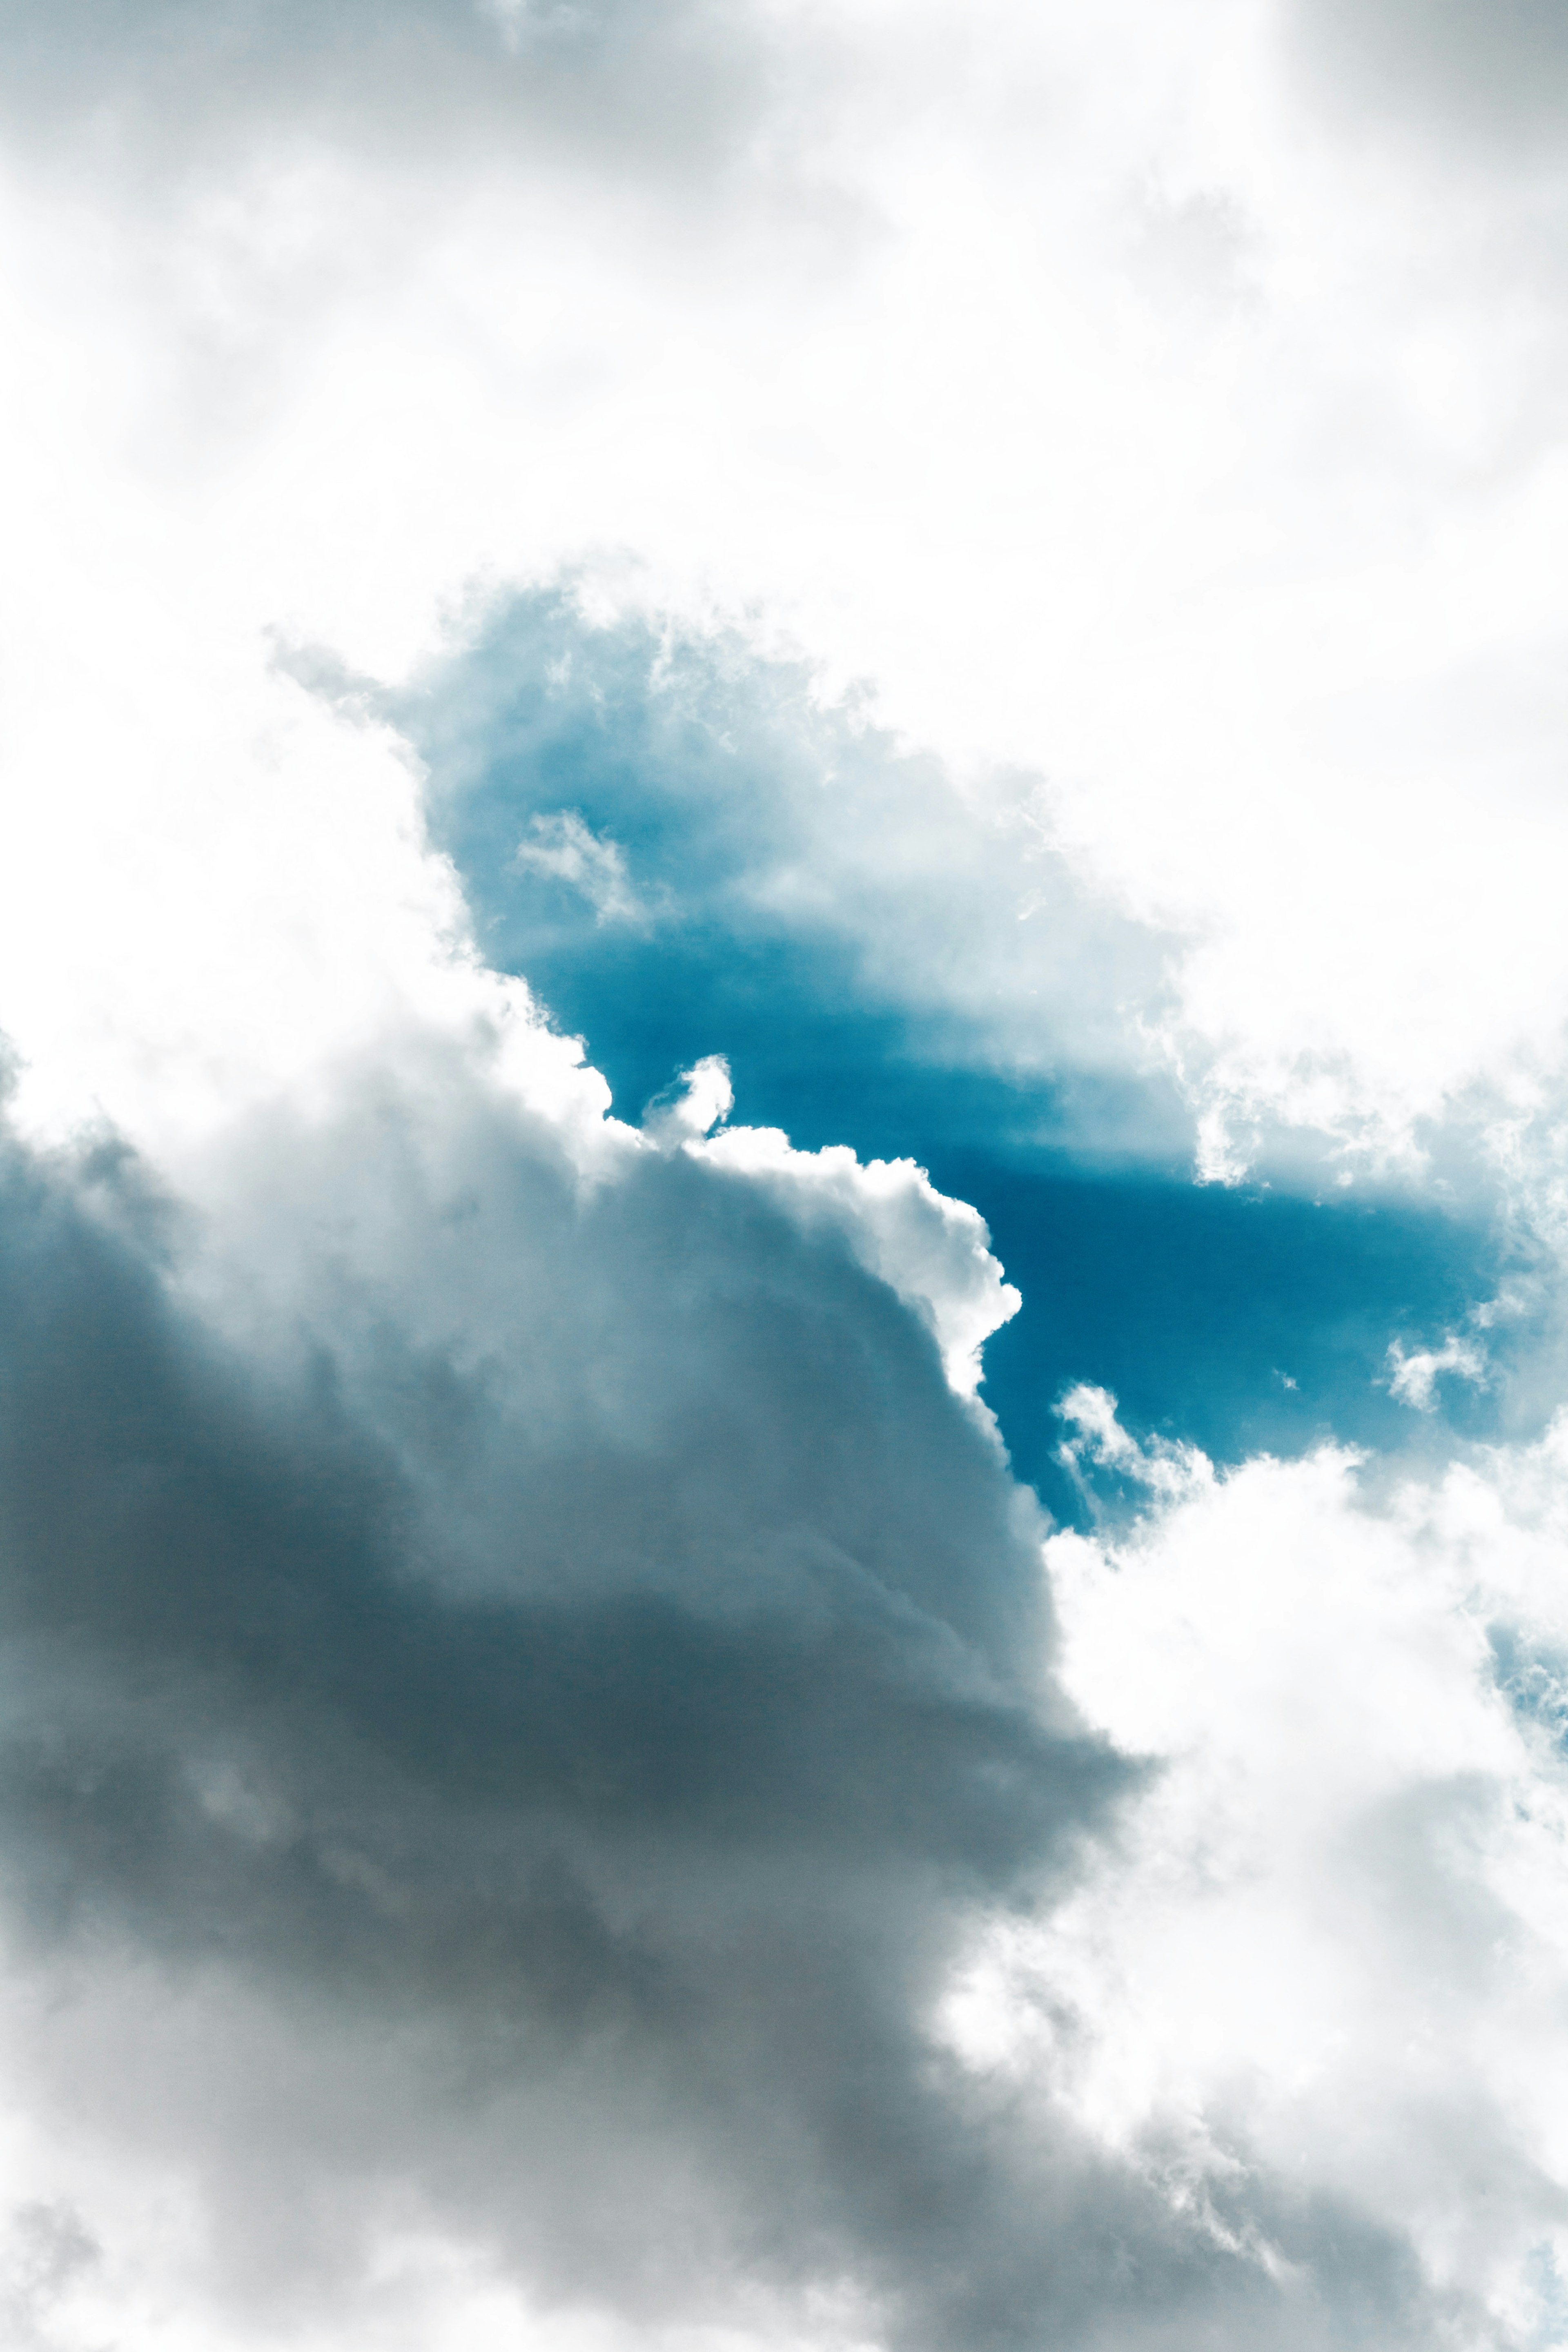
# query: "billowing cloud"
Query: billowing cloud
519,1648
556,1606
1334,1938
557,1781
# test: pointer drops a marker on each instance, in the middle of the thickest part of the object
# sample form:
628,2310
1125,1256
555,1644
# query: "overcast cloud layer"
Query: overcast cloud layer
784,1443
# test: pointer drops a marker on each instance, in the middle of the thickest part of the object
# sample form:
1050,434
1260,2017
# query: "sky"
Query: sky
784,1024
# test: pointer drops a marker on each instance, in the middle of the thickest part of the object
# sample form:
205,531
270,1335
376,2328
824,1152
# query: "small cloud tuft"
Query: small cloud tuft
700,1100
563,849
1412,1378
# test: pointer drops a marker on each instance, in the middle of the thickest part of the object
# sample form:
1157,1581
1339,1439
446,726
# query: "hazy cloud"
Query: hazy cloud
1495,69
672,87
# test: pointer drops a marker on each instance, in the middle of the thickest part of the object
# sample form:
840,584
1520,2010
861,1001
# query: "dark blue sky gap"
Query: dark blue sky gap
1242,1320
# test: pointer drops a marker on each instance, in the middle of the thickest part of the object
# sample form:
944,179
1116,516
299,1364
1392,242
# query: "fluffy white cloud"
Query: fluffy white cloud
1330,1950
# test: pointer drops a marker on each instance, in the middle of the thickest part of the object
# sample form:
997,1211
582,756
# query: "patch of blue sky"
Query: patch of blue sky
1241,1320
686,853
1533,1680
683,843
1550,2292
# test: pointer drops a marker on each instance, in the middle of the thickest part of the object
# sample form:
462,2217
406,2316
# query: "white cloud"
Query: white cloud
1330,1951
1414,1376
1264,586
934,1252
1096,1440
562,847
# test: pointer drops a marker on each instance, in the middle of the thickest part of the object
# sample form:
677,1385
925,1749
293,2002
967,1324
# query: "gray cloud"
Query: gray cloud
1497,69
673,87
549,1673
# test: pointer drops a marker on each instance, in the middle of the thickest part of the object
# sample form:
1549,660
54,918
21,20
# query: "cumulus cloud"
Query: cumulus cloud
544,1788
1329,1947
551,1615
532,1686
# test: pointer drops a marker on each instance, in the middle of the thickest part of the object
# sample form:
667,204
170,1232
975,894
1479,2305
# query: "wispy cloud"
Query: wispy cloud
560,846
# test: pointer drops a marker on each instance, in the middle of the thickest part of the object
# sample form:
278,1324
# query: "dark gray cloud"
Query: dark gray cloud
1494,69
559,1651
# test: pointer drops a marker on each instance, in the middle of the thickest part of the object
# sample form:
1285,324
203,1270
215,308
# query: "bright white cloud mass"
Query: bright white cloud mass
784,1383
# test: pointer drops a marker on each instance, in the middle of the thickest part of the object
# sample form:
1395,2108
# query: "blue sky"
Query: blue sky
1242,1318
